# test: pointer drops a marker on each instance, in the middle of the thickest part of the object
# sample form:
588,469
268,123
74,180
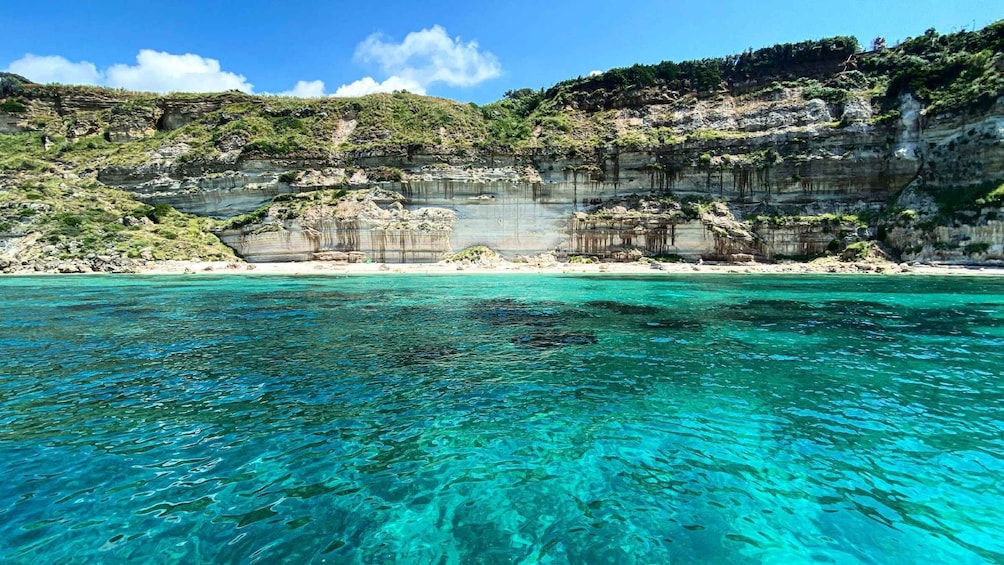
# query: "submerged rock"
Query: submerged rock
426,354
623,308
548,340
510,312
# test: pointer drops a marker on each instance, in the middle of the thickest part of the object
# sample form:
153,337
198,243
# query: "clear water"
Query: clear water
502,419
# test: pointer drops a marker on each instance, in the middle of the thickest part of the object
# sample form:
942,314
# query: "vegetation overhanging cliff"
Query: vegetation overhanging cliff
795,151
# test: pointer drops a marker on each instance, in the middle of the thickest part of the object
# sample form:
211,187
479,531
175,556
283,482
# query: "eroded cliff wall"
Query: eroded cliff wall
780,164
783,156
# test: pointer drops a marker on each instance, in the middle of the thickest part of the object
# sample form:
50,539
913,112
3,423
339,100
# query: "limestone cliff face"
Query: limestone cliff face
741,169
327,226
781,153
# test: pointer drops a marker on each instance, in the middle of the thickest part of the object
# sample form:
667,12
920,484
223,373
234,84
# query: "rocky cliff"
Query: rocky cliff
788,152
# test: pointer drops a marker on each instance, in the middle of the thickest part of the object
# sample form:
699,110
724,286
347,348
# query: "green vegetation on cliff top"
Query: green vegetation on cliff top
953,72
786,61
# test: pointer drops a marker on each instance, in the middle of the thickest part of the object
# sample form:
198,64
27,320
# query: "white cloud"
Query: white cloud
157,71
306,89
369,85
424,58
154,71
595,73
52,68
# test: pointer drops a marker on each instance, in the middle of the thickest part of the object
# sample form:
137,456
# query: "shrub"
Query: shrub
825,93
976,248
954,72
474,254
385,174
244,220
12,107
953,200
11,84
159,213
779,62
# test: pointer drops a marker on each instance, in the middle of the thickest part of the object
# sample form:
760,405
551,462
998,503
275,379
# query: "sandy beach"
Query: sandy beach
505,267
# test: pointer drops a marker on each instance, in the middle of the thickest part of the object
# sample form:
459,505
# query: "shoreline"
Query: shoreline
323,268
316,268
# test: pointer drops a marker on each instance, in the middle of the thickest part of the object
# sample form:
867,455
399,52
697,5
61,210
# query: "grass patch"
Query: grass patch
12,107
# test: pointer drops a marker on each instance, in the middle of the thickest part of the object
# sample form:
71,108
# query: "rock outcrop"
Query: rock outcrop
795,152
362,225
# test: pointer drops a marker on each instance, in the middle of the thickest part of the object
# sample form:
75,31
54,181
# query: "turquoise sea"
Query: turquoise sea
502,419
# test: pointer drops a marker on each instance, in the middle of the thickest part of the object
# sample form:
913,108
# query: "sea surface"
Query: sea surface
502,419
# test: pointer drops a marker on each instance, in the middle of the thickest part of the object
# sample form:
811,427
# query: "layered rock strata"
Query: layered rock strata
760,169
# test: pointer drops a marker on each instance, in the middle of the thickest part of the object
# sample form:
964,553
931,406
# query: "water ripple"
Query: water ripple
563,419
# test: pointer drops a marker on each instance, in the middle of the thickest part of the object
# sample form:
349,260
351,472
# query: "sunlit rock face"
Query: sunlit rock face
774,154
371,222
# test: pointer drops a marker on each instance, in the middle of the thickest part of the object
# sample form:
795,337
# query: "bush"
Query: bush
976,248
244,220
289,124
385,174
475,254
12,107
780,62
11,84
159,213
826,93
68,224
954,72
954,200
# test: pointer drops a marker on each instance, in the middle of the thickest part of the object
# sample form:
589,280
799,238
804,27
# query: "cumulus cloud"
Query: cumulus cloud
157,71
424,58
368,85
51,68
154,71
595,73
306,89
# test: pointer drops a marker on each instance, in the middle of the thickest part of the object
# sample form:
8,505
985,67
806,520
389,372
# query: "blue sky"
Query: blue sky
467,50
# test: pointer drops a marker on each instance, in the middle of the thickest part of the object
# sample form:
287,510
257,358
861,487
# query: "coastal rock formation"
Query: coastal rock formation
334,225
788,152
535,203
